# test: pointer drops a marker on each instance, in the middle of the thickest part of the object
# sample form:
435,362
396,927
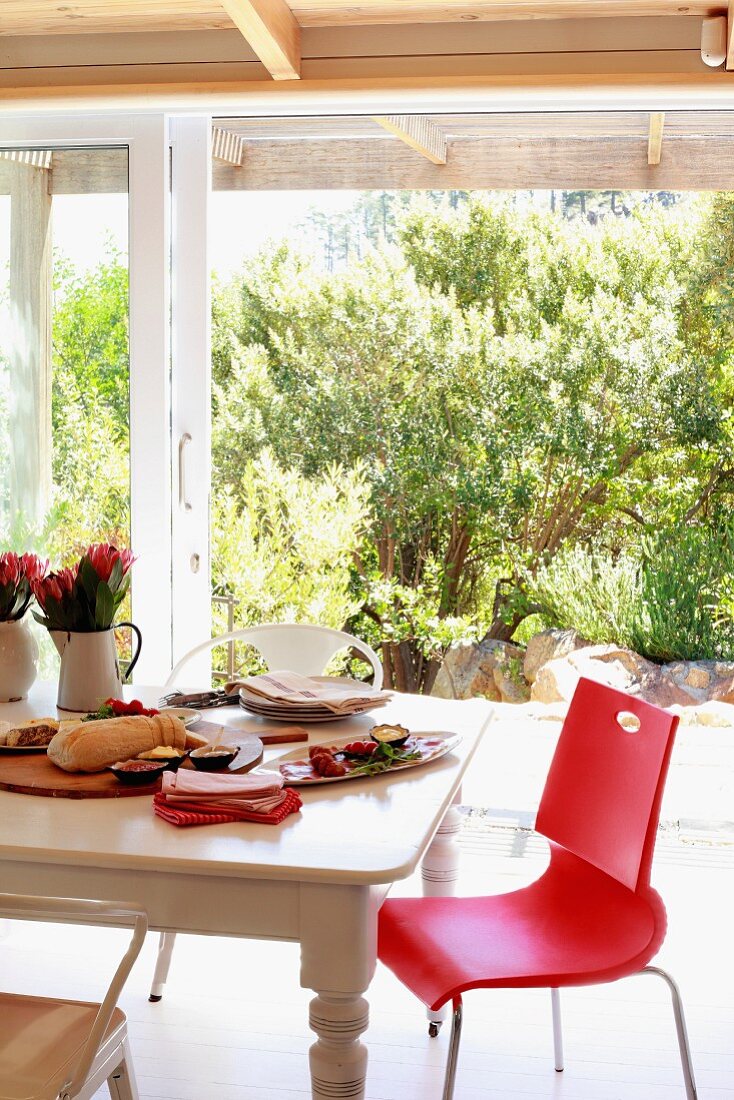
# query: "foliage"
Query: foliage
687,595
282,545
591,592
674,600
508,384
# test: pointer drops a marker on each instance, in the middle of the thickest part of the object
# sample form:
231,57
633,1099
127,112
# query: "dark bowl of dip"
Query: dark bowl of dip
137,773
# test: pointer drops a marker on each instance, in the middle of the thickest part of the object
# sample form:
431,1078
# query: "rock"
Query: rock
703,680
713,714
612,665
509,679
485,668
547,646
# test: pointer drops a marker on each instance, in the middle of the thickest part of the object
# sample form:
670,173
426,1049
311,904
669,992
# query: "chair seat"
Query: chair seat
41,1041
574,925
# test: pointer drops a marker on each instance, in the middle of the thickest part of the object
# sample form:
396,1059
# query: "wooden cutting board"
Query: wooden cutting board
33,773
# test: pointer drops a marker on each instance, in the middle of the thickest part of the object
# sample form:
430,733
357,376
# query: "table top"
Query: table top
363,831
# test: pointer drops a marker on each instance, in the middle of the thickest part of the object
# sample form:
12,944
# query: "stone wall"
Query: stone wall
548,670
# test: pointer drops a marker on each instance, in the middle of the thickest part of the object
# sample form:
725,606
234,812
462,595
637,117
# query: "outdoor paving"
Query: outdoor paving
507,776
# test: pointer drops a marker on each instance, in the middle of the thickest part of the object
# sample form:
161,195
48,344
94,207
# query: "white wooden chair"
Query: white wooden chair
53,1049
298,647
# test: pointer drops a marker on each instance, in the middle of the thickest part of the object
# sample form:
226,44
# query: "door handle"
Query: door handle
183,442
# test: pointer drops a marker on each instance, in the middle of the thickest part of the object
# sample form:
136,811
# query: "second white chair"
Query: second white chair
298,647
52,1049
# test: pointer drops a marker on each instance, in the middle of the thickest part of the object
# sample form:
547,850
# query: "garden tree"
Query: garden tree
89,408
499,379
282,545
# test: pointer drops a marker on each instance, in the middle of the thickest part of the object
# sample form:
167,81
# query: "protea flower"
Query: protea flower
18,575
86,597
103,558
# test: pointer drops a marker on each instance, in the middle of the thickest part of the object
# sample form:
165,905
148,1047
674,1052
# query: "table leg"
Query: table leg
338,932
338,1060
440,872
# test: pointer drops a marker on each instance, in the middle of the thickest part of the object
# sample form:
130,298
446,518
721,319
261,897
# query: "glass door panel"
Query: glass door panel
64,353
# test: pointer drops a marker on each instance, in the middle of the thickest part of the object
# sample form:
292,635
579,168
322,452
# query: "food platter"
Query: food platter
297,771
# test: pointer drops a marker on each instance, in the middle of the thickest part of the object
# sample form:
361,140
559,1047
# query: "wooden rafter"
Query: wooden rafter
270,28
418,133
228,146
655,137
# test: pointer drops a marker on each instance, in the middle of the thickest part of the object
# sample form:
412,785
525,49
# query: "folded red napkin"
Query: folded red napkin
250,790
199,798
202,815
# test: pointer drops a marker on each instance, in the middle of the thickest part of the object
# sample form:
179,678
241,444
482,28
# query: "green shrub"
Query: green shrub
672,601
687,585
592,593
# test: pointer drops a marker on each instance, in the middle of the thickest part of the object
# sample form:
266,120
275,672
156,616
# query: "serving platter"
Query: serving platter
297,771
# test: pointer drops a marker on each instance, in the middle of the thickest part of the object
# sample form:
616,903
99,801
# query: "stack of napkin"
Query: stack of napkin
201,798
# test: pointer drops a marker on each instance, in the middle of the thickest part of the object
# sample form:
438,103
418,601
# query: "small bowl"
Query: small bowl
170,765
213,761
140,777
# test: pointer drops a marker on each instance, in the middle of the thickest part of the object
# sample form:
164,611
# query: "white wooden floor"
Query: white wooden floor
232,1025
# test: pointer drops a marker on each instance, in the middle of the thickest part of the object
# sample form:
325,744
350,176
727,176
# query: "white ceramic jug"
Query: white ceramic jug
89,669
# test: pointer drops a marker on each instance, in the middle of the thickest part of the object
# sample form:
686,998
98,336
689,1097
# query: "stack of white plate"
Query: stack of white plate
303,711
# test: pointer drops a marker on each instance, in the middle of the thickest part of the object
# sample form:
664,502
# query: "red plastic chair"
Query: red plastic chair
592,917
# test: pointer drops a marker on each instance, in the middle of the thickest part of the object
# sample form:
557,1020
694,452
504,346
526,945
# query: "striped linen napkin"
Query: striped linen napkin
198,798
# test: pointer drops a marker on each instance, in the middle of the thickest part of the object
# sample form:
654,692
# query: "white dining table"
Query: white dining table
318,878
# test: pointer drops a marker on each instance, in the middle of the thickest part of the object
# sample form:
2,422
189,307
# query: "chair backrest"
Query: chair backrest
605,784
298,647
83,911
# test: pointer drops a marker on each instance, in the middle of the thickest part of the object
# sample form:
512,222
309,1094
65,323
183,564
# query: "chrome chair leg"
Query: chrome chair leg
680,1027
453,1058
557,1029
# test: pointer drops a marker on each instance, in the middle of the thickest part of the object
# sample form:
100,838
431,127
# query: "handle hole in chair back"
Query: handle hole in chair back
601,764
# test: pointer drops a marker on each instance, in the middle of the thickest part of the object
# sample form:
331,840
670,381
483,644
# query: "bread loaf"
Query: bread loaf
93,746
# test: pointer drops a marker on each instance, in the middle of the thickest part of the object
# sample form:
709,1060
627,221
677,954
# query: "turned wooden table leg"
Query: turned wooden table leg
338,1060
338,932
440,872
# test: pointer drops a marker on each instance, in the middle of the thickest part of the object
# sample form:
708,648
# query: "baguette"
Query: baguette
93,746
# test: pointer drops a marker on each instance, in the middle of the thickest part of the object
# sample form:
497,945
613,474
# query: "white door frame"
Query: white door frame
191,389
146,137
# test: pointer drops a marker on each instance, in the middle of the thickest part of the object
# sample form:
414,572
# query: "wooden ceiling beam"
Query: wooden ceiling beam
655,137
270,28
322,13
418,133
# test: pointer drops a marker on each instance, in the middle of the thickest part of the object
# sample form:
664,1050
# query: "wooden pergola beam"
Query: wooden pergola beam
418,133
33,158
228,146
655,137
691,163
270,28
